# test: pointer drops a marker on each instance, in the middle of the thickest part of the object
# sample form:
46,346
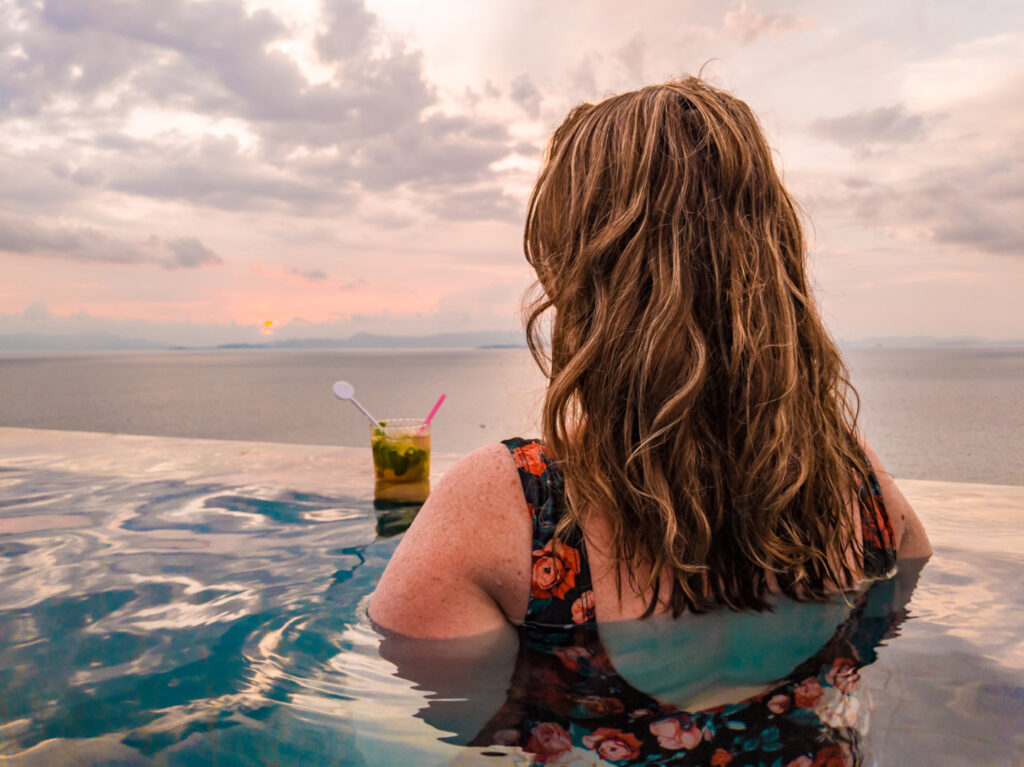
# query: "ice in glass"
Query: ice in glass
401,450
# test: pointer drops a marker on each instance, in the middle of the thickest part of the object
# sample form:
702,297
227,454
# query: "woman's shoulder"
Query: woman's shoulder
488,492
911,540
492,461
491,480
463,565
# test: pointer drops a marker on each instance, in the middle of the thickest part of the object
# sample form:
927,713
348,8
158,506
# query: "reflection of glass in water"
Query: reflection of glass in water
724,688
388,495
395,516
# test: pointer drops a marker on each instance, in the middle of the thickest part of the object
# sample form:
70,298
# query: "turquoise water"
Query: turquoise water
189,602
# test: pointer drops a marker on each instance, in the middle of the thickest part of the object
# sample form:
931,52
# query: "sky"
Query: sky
187,171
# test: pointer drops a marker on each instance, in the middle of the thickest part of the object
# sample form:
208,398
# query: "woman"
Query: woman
699,449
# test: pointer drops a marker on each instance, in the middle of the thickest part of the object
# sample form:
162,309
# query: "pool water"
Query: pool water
191,602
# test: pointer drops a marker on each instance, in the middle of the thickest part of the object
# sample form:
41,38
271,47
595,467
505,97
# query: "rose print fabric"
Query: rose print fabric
567,705
560,592
879,540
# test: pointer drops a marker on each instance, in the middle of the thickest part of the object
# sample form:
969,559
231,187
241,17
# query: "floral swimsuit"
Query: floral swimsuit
567,705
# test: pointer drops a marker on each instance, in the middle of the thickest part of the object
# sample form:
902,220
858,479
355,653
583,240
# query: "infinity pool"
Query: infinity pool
192,602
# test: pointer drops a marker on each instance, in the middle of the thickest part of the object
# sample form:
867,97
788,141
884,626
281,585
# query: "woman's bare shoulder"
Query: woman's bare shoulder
463,565
911,539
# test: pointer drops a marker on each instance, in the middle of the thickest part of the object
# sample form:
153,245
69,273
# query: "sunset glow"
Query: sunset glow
348,166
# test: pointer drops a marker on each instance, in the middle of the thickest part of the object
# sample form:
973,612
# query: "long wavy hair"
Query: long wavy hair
694,395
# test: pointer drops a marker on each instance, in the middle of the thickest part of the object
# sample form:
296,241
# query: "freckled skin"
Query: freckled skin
465,565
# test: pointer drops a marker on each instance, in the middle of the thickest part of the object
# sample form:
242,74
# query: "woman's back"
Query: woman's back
720,688
474,559
723,687
698,417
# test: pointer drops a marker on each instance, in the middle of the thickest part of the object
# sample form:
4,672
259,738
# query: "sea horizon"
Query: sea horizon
941,413
43,343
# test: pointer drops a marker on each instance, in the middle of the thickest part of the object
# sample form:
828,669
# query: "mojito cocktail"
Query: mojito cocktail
401,450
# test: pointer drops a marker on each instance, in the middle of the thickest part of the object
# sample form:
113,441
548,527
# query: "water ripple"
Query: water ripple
152,619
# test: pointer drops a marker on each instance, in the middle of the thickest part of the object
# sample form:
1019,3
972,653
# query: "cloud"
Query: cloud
439,152
963,213
85,244
189,252
37,311
972,206
748,26
482,204
216,58
89,67
528,149
348,29
882,125
945,185
218,41
211,172
312,275
19,235
523,92
582,79
388,221
632,55
38,318
28,181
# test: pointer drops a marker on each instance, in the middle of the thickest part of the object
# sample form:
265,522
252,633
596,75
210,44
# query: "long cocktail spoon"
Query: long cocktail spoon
345,390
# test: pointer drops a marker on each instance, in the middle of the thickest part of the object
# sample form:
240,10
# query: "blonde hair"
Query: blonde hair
694,395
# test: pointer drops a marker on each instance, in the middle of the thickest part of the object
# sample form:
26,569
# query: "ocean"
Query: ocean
193,602
951,414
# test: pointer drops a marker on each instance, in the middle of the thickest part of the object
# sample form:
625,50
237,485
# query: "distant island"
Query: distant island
483,339
58,342
923,342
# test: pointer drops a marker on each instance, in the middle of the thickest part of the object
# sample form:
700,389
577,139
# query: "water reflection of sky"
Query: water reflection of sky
193,602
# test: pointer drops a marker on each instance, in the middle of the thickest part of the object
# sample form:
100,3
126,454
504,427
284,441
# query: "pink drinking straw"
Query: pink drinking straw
433,410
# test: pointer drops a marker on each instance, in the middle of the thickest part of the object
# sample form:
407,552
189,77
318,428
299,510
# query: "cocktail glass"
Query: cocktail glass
401,459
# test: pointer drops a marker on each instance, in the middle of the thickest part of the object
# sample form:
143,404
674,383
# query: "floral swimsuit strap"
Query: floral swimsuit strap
560,592
876,527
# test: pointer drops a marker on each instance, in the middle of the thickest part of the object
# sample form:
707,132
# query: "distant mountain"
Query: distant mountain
922,342
484,339
108,342
475,339
38,342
